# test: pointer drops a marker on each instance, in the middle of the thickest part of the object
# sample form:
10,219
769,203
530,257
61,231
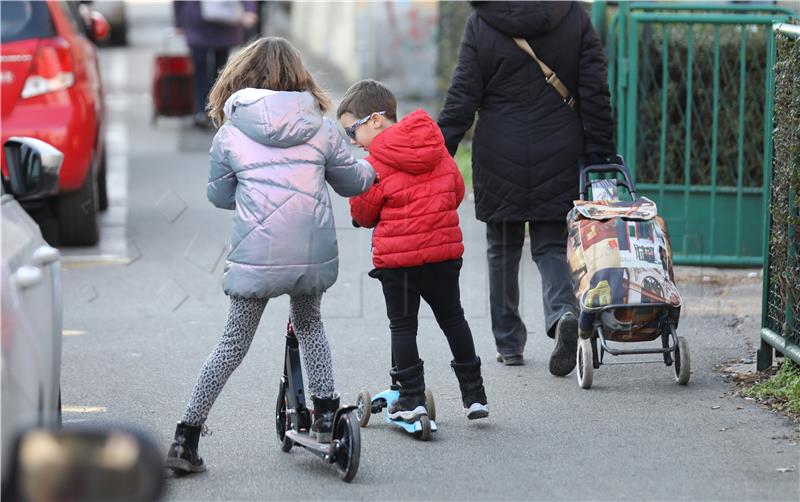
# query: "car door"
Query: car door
31,324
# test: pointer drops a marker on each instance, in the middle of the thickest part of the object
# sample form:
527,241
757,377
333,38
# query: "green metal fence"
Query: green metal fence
692,89
781,301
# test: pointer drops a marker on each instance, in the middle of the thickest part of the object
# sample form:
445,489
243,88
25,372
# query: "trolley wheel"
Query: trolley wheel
364,410
584,363
348,433
282,421
682,364
425,433
431,404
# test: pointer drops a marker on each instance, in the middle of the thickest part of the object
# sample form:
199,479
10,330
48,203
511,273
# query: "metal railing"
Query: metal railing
692,89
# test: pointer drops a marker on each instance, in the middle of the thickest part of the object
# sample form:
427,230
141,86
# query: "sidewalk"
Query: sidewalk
635,435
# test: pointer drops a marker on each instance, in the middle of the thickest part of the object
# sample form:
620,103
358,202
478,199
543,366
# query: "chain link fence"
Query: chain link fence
782,286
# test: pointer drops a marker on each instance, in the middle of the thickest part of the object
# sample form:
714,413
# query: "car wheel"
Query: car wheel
77,215
119,35
102,185
59,416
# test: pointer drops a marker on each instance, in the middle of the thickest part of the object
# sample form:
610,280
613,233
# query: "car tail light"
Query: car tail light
51,69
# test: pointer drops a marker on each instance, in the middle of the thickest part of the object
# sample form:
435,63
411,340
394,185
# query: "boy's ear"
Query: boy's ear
379,122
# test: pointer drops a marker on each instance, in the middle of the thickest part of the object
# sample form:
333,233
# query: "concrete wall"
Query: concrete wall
329,29
394,42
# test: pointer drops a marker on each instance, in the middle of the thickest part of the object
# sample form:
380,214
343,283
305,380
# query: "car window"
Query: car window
24,20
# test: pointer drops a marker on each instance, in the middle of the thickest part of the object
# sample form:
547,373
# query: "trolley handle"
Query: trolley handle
604,169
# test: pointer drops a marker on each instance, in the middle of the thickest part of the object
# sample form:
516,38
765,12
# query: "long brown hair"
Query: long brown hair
267,63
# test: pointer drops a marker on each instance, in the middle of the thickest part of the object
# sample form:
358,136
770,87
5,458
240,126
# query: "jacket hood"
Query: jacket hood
274,118
414,145
523,19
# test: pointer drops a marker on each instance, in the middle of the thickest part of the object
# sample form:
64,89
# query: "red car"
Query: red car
52,91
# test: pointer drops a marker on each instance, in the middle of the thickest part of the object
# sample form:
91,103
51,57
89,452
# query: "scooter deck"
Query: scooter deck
390,396
324,450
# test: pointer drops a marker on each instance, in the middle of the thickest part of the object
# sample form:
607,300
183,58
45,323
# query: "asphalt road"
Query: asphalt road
144,309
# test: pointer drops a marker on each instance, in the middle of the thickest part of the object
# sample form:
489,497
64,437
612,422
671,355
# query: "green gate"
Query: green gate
692,88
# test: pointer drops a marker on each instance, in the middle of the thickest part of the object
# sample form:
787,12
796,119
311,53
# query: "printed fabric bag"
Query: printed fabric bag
619,254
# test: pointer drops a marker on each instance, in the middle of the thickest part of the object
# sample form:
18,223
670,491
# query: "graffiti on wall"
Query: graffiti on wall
397,45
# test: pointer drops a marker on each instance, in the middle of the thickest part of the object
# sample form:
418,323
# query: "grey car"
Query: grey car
31,296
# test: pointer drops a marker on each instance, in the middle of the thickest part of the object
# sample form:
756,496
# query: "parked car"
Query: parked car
40,461
116,14
30,285
52,90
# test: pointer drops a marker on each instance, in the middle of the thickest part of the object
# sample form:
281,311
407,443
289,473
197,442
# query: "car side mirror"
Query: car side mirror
33,167
76,464
100,28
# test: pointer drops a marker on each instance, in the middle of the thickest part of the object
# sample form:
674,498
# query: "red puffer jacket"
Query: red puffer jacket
414,204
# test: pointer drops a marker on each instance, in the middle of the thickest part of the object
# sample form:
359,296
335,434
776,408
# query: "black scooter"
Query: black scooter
293,419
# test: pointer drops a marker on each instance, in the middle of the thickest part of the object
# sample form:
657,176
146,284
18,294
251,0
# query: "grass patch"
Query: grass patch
782,391
464,160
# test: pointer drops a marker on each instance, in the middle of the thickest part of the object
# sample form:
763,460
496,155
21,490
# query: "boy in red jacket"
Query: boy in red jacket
416,244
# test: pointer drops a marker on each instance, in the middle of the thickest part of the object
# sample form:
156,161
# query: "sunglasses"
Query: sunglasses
351,131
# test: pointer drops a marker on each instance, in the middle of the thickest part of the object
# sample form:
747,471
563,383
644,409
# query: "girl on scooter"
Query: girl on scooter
271,158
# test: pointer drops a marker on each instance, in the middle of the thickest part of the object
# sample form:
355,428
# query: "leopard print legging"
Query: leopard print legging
243,319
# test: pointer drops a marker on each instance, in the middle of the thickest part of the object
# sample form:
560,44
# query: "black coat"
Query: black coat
527,141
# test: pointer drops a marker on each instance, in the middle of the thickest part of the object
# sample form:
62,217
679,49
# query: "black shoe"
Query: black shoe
563,359
324,411
473,394
510,359
411,403
182,456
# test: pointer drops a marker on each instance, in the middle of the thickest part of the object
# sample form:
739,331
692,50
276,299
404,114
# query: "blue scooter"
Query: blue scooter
367,405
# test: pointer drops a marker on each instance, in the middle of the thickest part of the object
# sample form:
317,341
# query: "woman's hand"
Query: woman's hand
249,19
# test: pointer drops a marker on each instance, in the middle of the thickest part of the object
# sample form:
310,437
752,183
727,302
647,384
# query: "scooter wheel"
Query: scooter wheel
282,420
584,363
364,410
431,404
425,433
348,433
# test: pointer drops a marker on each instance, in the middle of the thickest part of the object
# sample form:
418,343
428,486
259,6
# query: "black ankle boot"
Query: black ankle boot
411,403
473,395
182,456
324,410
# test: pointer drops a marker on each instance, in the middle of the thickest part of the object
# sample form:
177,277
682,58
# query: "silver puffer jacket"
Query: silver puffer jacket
270,161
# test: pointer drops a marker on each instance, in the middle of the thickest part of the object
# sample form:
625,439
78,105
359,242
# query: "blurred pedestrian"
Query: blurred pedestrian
270,161
528,140
212,28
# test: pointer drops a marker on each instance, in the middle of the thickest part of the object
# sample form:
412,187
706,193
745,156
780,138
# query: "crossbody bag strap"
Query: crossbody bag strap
549,75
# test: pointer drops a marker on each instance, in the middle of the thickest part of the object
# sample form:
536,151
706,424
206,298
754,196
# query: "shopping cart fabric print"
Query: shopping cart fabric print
619,254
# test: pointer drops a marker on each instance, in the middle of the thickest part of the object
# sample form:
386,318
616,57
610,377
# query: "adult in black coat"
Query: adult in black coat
526,149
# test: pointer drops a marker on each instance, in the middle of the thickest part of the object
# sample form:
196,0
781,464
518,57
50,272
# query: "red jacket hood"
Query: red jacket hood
414,145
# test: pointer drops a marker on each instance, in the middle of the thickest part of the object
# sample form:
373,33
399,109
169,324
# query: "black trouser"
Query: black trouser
207,64
437,284
549,251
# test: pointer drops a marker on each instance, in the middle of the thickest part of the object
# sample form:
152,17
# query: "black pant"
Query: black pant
437,284
207,64
549,251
